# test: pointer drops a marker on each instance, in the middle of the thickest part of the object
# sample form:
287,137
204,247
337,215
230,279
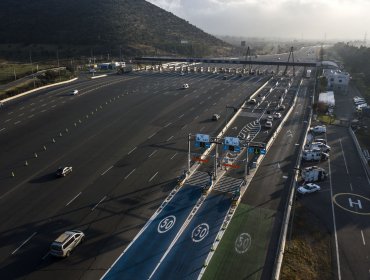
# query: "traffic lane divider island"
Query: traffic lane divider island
139,260
187,256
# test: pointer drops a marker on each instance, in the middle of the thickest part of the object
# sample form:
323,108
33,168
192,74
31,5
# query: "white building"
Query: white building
337,80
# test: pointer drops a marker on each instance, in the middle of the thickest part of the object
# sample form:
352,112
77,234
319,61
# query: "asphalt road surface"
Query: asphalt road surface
125,137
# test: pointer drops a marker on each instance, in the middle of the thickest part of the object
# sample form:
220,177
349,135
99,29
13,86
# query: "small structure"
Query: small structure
327,98
337,80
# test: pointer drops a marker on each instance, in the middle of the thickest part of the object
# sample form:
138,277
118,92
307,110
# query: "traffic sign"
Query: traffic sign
256,151
202,140
232,144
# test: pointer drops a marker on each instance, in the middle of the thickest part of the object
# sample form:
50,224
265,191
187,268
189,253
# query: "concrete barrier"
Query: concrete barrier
360,153
37,89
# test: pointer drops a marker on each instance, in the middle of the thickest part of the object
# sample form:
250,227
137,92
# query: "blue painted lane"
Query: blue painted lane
139,261
187,256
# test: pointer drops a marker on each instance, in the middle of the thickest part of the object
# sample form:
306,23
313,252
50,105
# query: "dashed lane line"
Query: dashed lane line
132,150
152,153
28,239
173,156
153,176
130,173
73,199
106,170
96,205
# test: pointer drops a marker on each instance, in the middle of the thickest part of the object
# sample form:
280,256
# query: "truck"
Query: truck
314,155
313,174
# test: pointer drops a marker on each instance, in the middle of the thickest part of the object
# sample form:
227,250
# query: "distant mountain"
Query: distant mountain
135,26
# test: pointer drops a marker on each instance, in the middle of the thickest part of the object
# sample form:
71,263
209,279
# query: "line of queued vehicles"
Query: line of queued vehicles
315,150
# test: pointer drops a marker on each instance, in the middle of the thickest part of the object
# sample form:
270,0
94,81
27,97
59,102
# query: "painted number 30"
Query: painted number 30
200,232
166,224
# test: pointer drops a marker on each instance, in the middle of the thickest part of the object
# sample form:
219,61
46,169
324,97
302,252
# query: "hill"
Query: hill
79,26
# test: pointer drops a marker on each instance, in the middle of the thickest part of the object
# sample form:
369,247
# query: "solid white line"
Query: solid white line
101,200
130,173
73,199
168,124
152,135
334,223
106,170
345,162
28,239
363,238
132,150
17,122
169,138
2,129
153,177
173,156
152,153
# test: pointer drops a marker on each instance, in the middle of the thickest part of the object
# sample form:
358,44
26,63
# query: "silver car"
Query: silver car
66,243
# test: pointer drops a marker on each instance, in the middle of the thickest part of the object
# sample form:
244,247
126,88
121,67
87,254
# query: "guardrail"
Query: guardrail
36,89
364,160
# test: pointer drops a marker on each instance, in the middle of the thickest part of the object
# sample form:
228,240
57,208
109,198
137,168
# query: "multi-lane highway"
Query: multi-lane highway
125,137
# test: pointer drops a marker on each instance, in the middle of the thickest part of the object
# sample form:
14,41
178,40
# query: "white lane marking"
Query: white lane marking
30,116
101,200
46,255
202,128
53,106
2,129
8,120
169,138
153,177
334,224
106,170
73,199
43,105
132,150
28,239
350,185
32,104
152,153
130,173
21,108
168,124
344,157
152,135
363,238
184,127
17,122
196,117
181,116
173,156
20,115
43,111
10,113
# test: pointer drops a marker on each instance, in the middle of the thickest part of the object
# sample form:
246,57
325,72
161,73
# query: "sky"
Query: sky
299,19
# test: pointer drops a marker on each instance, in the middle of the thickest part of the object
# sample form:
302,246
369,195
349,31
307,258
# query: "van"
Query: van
313,174
66,243
324,148
314,155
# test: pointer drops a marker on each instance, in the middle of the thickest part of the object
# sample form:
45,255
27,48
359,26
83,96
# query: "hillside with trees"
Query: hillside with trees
79,27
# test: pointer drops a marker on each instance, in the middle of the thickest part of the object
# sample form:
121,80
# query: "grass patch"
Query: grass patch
10,71
307,255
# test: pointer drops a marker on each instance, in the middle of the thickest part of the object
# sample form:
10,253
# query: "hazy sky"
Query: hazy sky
339,19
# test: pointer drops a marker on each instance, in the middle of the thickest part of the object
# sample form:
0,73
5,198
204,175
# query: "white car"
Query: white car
318,129
269,118
268,124
216,117
74,92
185,86
66,242
277,115
63,171
308,188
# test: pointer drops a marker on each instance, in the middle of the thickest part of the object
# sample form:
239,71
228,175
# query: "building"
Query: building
337,80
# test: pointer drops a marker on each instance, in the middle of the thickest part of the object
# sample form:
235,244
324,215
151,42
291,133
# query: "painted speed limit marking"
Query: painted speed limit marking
166,224
200,232
242,243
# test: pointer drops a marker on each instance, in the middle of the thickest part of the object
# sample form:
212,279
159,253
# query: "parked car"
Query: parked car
185,86
269,118
277,115
320,140
252,101
216,117
268,124
66,243
308,188
63,171
281,108
318,129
